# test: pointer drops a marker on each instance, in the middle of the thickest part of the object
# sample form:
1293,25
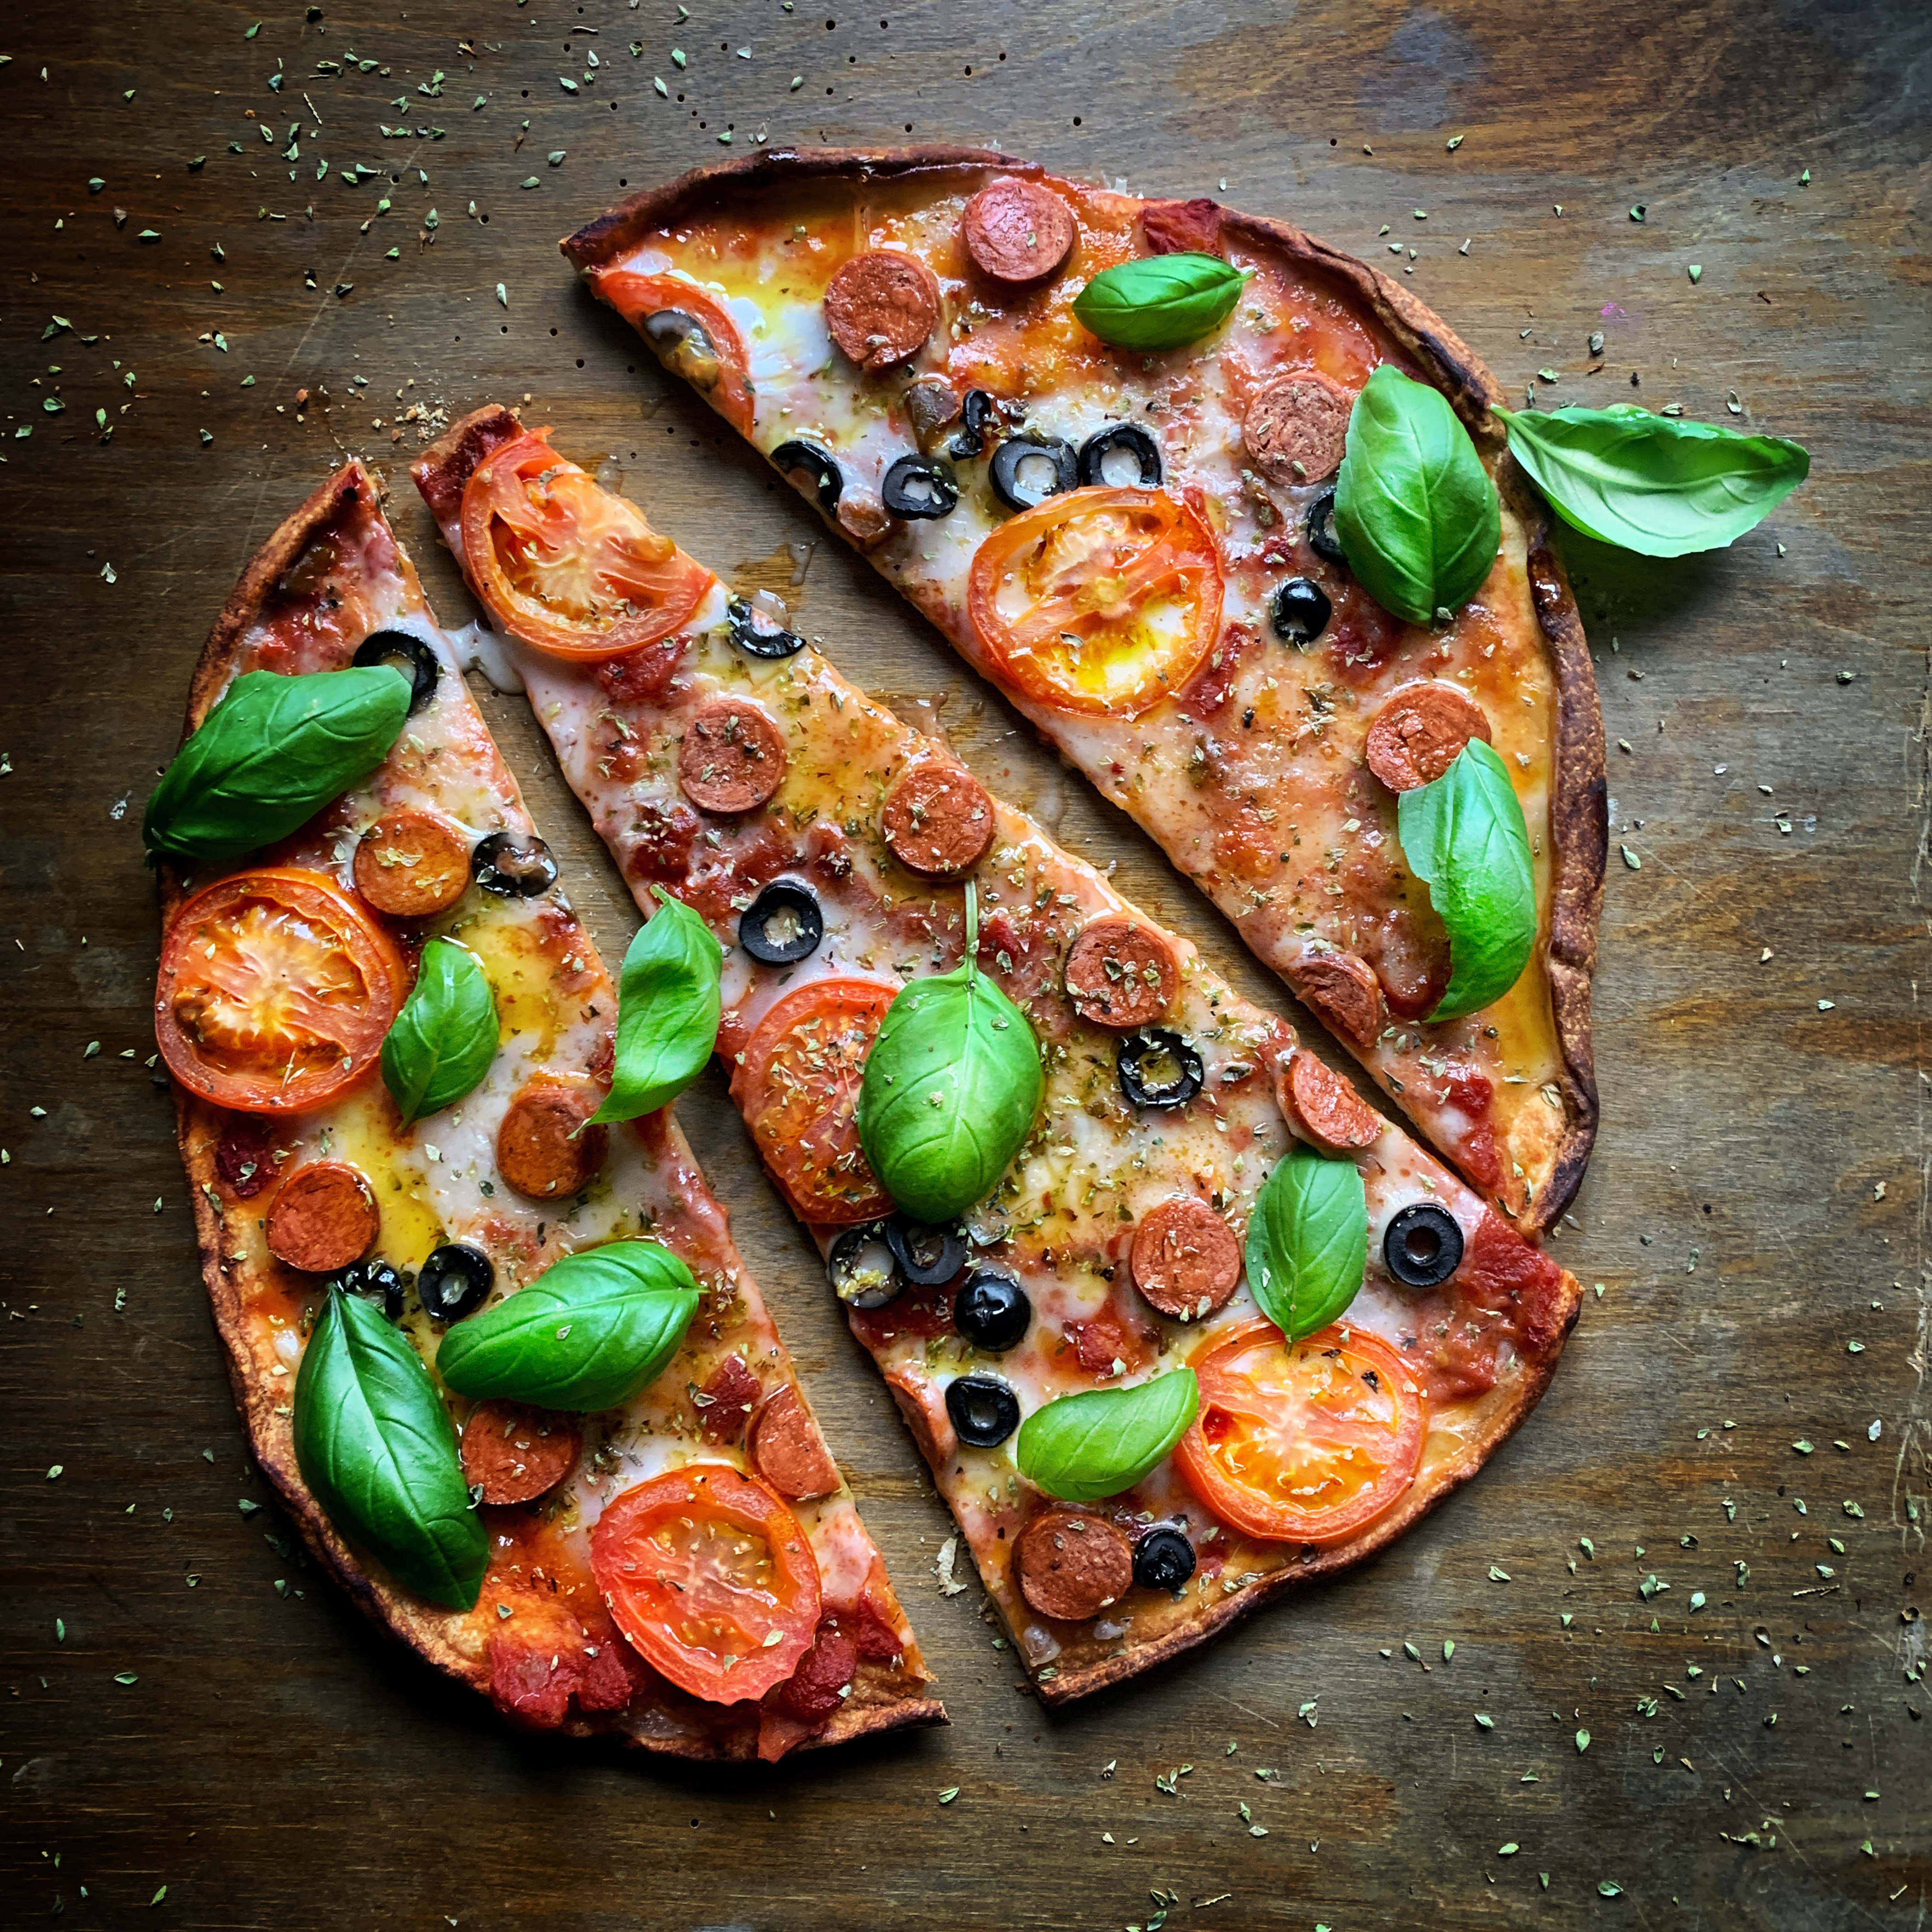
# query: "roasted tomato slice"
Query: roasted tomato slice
798,1086
710,1579
569,567
690,334
1099,601
1302,1441
276,989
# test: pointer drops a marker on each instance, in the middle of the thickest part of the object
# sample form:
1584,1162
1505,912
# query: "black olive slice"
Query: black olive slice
410,655
862,1269
1158,1068
682,346
1163,1559
513,864
1321,537
453,1282
985,1411
815,461
782,925
1120,456
373,1280
918,488
1424,1246
992,1311
927,1255
1027,469
756,635
1300,610
977,410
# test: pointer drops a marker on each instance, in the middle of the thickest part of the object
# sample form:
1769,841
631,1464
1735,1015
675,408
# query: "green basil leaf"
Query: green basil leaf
950,1088
1308,1241
1464,837
374,1445
668,1006
270,755
1415,508
1082,1447
443,1040
1162,301
588,1333
1658,485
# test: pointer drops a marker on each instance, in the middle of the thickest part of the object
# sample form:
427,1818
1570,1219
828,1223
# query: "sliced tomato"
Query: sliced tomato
710,1579
1101,601
1303,1441
276,989
566,566
798,1087
712,360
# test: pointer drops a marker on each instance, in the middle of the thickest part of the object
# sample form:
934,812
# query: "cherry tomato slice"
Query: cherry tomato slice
566,566
1302,1441
712,362
276,989
710,1579
1102,601
798,1088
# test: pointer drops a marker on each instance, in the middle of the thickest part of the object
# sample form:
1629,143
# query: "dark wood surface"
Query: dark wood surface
1756,1214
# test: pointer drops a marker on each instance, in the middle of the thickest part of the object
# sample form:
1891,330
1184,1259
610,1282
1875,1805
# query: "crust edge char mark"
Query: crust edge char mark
271,1436
1578,826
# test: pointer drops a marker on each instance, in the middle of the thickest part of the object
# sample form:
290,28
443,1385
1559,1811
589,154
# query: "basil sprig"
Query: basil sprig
1655,485
587,1334
1415,508
1082,1447
270,755
374,1445
443,1040
1162,301
950,1088
668,1006
1308,1241
1464,837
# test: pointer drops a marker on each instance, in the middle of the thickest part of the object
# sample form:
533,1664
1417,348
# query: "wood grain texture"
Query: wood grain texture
1760,1179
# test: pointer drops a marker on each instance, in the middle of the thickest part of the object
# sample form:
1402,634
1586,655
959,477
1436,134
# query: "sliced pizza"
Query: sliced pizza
1096,440
502,1361
1177,1320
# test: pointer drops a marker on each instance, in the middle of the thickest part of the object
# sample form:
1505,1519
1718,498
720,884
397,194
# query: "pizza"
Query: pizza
1111,1273
1137,540
388,1033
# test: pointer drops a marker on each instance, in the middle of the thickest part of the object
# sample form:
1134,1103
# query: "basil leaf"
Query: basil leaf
1464,837
1415,508
588,1333
950,1088
443,1041
374,1445
668,1005
1161,301
1654,485
1308,1241
270,755
1082,1447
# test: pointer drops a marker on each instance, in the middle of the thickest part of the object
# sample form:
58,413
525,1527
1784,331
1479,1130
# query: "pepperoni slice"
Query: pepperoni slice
730,1397
788,1451
1342,991
1185,1261
824,1675
324,1218
1017,232
1121,973
1297,425
516,1452
1419,732
1322,1108
881,306
733,758
1071,1566
1182,227
412,864
544,1149
938,820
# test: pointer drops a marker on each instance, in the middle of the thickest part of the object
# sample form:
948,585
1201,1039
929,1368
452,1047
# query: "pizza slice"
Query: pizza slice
1137,540
502,1362
1061,1175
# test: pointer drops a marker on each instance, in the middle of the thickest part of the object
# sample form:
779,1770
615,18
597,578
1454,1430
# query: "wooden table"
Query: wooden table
1703,1557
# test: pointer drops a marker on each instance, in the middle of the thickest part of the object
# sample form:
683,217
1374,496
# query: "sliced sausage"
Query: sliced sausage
517,1454
1296,426
931,1427
1071,1566
881,306
544,1149
824,1675
733,758
1419,732
1185,1260
788,1451
862,517
324,1218
1017,232
1121,973
412,864
1182,227
727,1400
1342,991
938,820
1323,1109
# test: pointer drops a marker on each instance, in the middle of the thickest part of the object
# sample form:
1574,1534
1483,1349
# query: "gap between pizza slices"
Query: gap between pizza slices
827,847
298,1208
1134,547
